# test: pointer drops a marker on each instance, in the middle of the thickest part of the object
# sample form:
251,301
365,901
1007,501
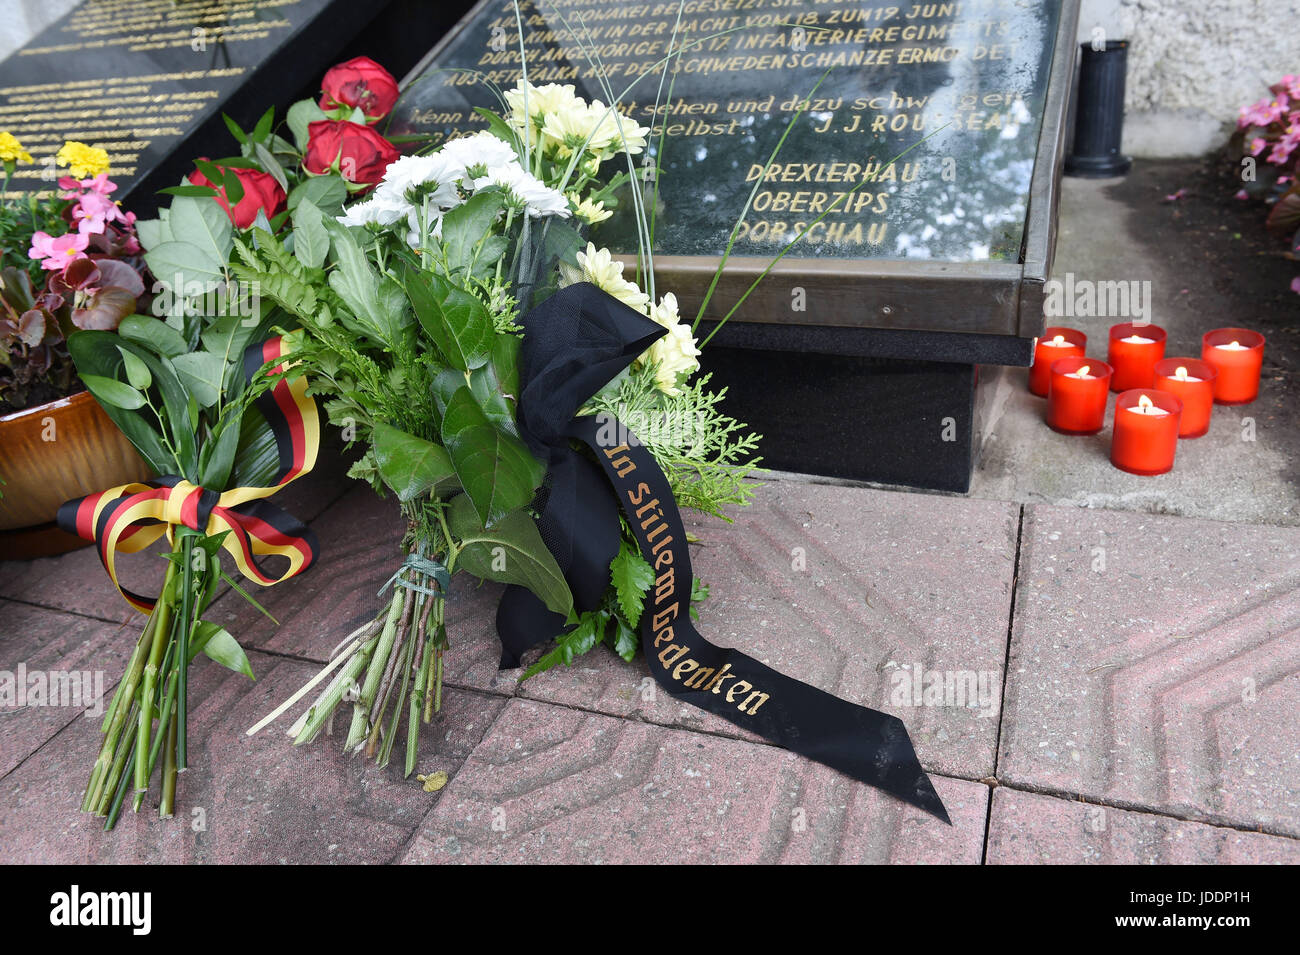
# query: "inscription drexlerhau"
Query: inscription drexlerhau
673,652
968,73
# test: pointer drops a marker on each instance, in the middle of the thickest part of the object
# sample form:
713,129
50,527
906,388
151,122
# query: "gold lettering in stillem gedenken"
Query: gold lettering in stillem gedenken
646,514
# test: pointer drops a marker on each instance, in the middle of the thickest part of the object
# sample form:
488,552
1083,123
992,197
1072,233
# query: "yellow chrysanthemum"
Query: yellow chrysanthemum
588,211
84,162
11,150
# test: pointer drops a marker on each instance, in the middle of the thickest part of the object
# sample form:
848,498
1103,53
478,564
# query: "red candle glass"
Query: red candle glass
1076,396
1146,431
1236,354
1134,351
1056,342
1192,383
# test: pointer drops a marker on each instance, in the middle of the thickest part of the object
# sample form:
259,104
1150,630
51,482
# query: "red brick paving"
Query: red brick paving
1128,686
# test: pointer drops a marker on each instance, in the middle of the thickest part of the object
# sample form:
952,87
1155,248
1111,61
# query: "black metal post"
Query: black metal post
1099,114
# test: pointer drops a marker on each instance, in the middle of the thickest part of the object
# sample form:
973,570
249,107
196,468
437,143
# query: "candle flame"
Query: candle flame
1235,343
1145,402
1058,340
1181,373
1083,370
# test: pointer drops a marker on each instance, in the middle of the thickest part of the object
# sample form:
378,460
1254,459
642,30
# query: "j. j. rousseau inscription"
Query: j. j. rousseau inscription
953,92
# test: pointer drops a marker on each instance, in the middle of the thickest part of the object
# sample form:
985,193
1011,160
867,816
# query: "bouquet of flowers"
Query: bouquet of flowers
1270,128
205,390
411,304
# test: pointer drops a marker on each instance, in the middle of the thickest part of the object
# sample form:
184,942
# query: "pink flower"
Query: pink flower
1295,285
1241,194
1285,146
1264,112
57,253
1257,145
101,184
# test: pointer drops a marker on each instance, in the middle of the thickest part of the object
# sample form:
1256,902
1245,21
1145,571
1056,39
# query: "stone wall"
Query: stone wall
1193,63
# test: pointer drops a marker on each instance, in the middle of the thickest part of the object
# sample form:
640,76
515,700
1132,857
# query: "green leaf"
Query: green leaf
218,455
96,354
271,164
382,313
190,192
263,127
202,223
497,471
581,639
505,362
626,639
218,644
137,372
152,232
409,465
177,264
311,242
457,321
235,131
201,372
300,115
327,193
154,334
512,552
632,577
466,226
113,392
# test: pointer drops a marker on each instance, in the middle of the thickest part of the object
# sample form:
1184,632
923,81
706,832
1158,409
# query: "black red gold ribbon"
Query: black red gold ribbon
574,343
129,518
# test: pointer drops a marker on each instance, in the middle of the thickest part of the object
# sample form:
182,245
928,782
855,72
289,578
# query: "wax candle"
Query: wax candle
1056,342
1134,351
1146,431
1191,382
1076,396
1236,354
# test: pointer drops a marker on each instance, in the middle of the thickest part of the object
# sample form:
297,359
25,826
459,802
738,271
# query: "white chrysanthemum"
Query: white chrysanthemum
380,210
676,354
410,178
601,269
525,190
588,211
477,153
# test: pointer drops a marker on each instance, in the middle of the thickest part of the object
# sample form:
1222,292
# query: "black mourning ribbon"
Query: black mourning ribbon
574,343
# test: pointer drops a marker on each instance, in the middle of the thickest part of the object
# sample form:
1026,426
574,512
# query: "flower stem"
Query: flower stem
161,637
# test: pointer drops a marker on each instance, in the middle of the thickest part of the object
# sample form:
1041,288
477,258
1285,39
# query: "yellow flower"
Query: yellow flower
84,162
11,149
588,211
602,270
676,355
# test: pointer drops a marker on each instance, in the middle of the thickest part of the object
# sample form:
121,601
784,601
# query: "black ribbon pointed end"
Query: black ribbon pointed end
924,797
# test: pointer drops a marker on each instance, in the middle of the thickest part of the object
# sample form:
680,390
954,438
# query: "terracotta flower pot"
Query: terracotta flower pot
50,454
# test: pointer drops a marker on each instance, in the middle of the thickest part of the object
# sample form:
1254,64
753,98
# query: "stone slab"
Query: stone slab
255,800
1155,663
891,582
69,666
553,784
1030,828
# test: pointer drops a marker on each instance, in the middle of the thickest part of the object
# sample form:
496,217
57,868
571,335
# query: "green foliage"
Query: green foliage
632,577
707,455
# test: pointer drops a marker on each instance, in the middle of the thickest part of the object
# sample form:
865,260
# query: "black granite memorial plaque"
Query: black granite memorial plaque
858,355
147,80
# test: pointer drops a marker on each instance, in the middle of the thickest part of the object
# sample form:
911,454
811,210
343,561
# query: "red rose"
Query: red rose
261,191
359,84
357,152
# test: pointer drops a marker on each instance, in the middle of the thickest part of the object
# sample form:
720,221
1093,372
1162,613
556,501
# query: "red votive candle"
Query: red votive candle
1192,383
1056,342
1076,396
1134,351
1236,354
1146,431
